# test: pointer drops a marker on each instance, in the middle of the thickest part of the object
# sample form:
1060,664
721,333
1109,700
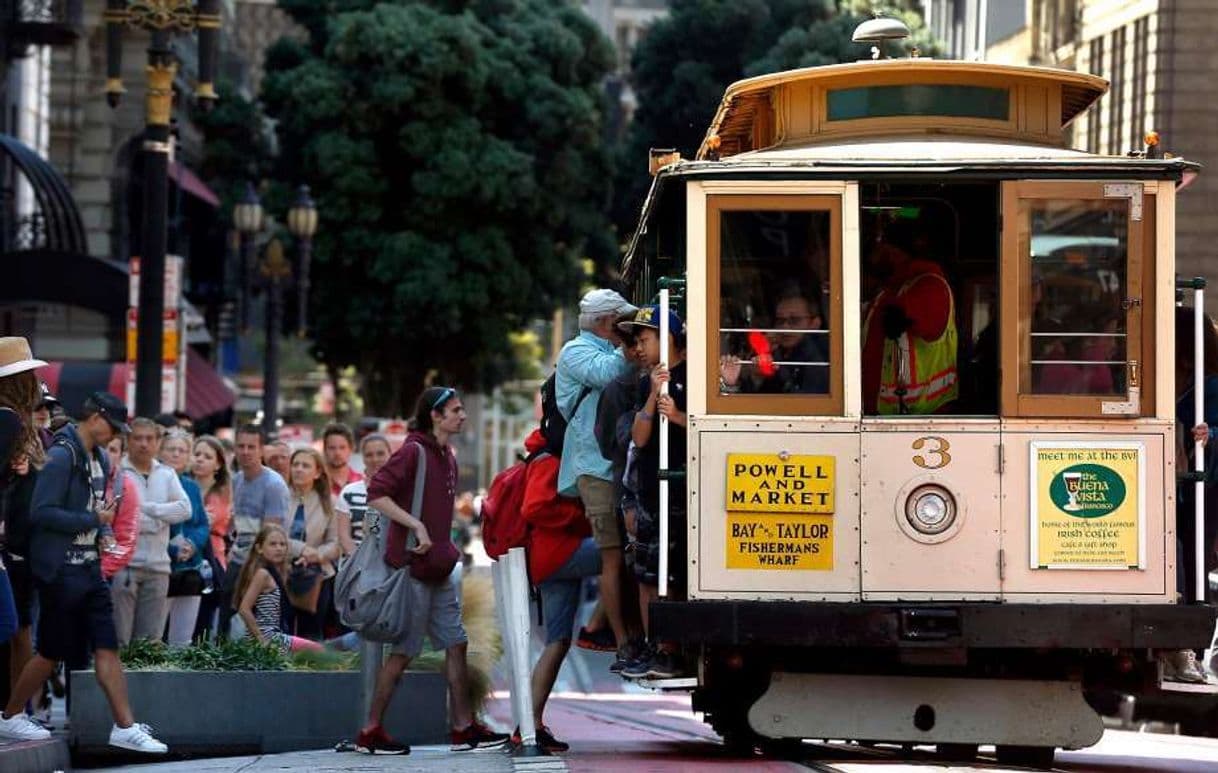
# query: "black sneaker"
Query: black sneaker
627,654
598,641
638,668
666,665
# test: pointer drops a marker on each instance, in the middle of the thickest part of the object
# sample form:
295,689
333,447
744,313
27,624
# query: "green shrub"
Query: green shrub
243,654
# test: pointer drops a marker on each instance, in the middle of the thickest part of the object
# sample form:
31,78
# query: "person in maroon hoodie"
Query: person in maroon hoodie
562,552
435,602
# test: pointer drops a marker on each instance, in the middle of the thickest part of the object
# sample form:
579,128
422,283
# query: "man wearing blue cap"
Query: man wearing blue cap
642,501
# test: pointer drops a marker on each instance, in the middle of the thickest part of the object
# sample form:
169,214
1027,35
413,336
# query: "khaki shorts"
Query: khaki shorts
597,496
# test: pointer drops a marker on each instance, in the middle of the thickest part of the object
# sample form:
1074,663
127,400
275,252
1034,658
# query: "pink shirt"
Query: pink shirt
126,525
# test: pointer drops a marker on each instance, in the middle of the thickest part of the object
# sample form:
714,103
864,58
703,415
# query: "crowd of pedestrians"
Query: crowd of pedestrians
116,529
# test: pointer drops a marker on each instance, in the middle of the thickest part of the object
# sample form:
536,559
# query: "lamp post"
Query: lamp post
164,19
302,222
276,272
247,217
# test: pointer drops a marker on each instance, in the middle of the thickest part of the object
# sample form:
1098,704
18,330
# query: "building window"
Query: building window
1141,52
1116,95
1096,65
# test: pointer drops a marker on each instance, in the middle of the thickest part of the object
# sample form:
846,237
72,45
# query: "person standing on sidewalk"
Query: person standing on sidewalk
141,591
338,441
587,364
259,494
435,604
69,508
187,542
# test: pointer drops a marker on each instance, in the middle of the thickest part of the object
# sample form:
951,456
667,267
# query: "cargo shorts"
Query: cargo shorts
597,496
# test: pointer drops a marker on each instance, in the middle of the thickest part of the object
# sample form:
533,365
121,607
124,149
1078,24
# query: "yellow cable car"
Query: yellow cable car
931,482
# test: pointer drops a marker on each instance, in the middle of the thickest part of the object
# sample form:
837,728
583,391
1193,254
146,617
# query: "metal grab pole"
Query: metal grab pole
1198,447
663,589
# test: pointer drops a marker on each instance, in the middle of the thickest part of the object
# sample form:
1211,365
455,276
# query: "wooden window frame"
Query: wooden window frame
1015,303
830,404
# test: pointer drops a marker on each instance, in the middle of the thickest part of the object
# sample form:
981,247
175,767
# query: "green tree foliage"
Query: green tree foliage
236,145
455,152
688,59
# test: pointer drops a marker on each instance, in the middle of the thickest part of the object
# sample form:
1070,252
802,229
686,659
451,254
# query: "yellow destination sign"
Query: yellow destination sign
766,483
780,542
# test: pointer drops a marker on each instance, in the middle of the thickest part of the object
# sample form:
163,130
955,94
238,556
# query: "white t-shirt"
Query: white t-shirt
88,538
352,501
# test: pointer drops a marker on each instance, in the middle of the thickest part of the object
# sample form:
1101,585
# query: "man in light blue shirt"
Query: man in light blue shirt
588,363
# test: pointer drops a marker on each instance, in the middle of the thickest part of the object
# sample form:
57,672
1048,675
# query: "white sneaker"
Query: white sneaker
137,738
20,727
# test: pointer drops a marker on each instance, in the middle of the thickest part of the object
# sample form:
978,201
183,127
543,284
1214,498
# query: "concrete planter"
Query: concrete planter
257,711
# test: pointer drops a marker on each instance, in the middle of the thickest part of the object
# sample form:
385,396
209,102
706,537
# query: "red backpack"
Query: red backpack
503,527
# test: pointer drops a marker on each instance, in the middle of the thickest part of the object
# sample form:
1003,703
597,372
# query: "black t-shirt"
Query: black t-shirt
647,461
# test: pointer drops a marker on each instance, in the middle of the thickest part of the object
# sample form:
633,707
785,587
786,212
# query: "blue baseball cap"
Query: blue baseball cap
649,316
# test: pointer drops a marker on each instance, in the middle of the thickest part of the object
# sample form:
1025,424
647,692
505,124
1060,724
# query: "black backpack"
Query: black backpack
553,423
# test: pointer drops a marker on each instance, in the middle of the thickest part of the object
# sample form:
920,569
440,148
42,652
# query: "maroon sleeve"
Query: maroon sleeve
396,477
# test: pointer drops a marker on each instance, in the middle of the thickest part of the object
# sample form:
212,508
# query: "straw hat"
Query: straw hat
16,357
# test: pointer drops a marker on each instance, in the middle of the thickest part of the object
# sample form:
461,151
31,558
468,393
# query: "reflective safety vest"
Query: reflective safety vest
919,375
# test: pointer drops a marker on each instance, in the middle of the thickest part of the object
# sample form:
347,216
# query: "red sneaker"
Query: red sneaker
600,640
545,739
376,741
476,736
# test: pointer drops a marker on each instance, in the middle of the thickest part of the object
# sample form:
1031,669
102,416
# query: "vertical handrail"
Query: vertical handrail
664,353
1198,447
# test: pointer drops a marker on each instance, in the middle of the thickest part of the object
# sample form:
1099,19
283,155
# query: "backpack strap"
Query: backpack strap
420,481
583,393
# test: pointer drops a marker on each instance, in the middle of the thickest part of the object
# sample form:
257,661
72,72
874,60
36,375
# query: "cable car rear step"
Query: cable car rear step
910,709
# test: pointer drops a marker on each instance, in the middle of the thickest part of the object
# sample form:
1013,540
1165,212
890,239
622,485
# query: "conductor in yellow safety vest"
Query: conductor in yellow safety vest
909,335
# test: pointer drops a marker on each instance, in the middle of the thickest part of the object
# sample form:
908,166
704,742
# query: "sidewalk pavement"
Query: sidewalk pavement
422,759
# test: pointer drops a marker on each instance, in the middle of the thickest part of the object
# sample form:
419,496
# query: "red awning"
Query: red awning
190,183
72,382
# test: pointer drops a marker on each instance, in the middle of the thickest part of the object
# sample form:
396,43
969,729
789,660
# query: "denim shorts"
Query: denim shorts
560,592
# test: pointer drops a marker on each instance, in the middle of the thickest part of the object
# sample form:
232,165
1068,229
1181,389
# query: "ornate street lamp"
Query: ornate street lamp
276,272
164,19
247,218
302,222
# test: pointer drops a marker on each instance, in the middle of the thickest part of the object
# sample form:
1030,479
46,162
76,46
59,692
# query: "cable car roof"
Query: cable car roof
1029,103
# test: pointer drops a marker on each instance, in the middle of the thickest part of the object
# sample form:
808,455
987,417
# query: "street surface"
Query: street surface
620,728
614,726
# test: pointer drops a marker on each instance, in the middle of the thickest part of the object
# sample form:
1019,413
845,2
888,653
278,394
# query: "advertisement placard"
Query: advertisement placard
1088,505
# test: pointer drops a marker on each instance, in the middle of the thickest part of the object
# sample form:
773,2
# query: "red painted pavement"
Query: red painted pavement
638,733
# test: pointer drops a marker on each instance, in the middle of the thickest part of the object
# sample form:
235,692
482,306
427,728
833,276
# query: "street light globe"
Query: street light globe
247,215
302,217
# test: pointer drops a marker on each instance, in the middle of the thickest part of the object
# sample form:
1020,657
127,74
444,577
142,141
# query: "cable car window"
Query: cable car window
777,280
1078,263
1076,320
919,100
